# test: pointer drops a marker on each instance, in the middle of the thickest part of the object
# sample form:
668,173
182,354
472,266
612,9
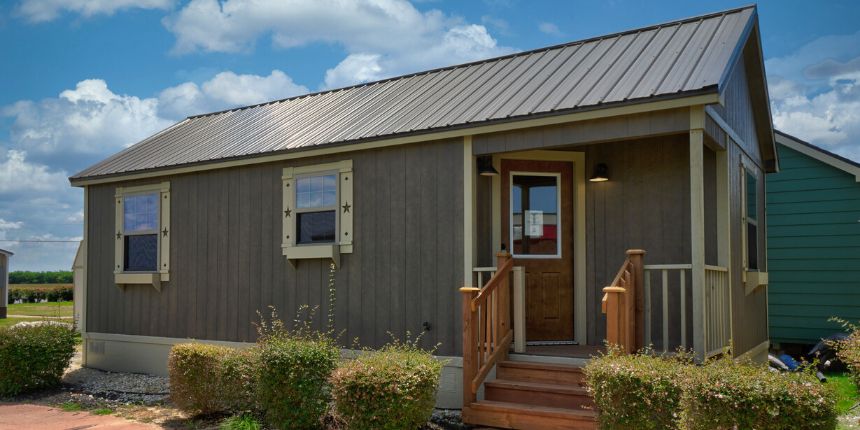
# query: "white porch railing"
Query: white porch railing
672,281
717,318
482,275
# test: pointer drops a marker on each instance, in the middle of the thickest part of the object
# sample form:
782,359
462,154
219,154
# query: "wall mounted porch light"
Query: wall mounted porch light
601,173
485,166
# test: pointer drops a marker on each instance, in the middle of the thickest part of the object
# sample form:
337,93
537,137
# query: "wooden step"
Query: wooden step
563,374
520,416
538,394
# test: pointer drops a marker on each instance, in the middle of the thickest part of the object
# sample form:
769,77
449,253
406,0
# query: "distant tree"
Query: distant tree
28,277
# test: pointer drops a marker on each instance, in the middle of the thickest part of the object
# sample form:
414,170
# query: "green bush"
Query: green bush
848,351
636,391
293,379
726,394
394,388
207,379
52,293
34,357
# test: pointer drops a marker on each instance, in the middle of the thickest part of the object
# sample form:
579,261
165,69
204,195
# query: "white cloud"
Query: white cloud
48,10
226,90
80,126
382,37
815,93
9,225
18,175
89,119
550,29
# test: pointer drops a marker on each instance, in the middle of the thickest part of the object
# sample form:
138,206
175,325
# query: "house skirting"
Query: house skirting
148,354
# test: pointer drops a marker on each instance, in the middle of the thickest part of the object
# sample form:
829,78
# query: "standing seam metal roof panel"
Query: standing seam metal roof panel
678,58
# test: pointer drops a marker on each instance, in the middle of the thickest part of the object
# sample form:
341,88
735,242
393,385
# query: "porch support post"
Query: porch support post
697,226
468,211
724,234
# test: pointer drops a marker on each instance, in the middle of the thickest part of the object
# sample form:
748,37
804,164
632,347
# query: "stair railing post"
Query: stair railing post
504,309
637,297
470,344
614,318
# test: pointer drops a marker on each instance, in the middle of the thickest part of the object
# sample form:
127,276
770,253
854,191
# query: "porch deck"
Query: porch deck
567,351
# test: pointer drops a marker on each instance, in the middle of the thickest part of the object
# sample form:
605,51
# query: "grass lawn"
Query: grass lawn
51,309
40,286
844,386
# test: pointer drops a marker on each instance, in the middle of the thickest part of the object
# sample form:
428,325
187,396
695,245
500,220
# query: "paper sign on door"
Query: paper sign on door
534,223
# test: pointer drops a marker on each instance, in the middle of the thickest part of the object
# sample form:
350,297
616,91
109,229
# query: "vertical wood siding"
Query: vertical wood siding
645,204
813,249
738,111
749,311
227,262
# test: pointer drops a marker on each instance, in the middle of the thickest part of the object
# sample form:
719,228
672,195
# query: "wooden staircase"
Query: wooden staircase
527,395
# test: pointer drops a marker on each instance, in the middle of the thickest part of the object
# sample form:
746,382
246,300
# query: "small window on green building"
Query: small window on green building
751,219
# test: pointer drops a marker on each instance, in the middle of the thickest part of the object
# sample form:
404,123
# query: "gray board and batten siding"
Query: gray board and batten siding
671,60
227,262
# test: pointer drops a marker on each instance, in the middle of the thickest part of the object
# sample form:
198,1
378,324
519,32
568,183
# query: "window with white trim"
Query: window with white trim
142,248
317,211
750,215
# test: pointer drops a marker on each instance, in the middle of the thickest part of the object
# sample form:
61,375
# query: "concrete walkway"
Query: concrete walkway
32,417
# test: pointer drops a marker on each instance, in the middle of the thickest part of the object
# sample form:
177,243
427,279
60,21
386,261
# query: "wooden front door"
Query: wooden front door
537,211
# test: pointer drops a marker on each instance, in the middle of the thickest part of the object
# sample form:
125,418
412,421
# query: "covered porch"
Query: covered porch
568,201
606,230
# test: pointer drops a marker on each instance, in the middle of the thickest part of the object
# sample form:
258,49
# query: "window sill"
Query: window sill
310,252
153,278
753,280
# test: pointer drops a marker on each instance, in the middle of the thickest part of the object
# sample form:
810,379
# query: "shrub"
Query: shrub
394,388
727,394
848,351
293,379
635,391
32,293
206,379
34,357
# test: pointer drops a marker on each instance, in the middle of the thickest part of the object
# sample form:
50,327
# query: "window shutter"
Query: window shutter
346,209
287,216
165,233
119,236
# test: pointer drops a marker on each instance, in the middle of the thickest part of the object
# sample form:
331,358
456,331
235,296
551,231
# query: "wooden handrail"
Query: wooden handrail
487,331
623,305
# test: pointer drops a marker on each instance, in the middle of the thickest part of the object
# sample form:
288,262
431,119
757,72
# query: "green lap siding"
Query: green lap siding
813,216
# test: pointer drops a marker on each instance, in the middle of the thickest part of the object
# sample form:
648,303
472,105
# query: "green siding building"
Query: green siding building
813,228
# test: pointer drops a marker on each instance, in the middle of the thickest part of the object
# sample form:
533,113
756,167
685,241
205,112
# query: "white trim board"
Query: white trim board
816,153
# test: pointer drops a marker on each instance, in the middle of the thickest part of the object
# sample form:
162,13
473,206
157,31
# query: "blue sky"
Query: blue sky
82,79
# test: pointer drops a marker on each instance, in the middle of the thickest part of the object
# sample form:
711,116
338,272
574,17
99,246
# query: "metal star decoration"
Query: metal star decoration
287,213
346,207
118,235
164,232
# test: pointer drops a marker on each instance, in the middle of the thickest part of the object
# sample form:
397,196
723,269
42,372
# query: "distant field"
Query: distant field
51,309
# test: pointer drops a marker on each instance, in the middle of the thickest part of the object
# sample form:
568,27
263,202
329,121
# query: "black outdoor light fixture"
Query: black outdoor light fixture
601,173
485,166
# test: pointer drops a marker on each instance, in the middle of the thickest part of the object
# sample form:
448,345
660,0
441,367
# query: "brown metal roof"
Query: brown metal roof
674,59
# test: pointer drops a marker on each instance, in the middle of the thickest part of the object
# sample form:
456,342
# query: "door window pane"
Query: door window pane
140,213
141,253
315,227
534,215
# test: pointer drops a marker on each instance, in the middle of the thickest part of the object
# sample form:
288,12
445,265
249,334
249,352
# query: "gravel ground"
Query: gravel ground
117,387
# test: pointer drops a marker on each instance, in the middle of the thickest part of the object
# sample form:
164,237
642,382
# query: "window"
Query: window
140,228
535,199
142,250
316,208
318,211
750,211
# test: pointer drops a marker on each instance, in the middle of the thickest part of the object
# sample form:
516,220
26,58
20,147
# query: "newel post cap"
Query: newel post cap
611,289
636,252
